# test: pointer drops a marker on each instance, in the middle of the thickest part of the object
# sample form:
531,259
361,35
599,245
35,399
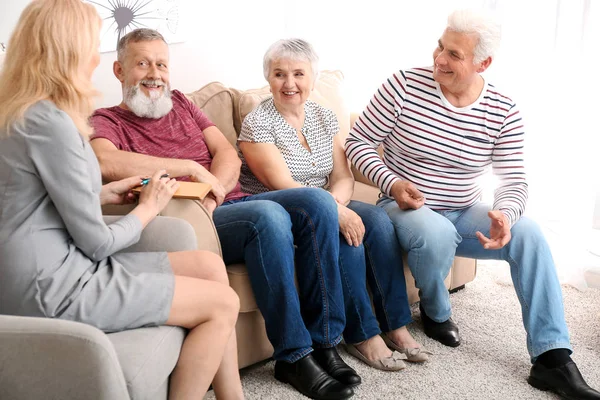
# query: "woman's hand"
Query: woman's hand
157,193
351,226
119,192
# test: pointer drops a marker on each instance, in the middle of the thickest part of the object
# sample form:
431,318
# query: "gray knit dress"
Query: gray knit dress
57,255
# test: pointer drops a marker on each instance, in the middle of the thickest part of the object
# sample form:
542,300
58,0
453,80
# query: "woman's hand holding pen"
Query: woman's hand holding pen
157,191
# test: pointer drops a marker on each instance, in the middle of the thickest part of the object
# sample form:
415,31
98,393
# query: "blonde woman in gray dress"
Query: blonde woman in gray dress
58,258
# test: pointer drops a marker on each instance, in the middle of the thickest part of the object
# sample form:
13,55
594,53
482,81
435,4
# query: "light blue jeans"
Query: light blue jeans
432,239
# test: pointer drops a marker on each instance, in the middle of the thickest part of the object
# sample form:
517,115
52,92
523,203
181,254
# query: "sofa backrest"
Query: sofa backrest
227,107
216,101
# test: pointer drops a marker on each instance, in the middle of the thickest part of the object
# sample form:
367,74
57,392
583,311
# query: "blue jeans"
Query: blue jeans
261,231
377,261
432,239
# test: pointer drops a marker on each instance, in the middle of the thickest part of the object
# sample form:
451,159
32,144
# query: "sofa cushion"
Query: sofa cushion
147,357
240,283
216,101
328,93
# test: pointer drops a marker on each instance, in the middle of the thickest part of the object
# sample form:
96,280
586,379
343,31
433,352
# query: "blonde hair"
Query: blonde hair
48,58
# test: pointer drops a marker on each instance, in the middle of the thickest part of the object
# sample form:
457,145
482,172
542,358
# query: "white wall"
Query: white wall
538,66
227,39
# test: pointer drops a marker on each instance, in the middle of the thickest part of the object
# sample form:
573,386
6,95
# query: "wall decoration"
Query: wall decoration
122,16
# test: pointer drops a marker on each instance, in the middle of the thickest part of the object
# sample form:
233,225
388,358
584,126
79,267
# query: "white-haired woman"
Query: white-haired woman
289,141
58,258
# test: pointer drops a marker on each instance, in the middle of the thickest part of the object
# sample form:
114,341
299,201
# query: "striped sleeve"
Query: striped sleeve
508,165
372,127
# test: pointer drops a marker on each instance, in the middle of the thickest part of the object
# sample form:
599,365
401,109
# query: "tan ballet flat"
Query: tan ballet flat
393,363
416,355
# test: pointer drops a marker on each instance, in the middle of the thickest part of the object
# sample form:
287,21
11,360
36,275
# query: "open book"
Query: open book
187,190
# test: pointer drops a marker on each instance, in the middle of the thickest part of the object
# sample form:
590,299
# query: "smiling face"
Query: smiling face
144,75
291,82
453,60
146,65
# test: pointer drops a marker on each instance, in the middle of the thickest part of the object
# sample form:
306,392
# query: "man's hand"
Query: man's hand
218,191
210,204
351,226
407,195
119,192
499,231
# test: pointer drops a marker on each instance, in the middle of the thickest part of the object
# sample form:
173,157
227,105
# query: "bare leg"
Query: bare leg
208,266
209,309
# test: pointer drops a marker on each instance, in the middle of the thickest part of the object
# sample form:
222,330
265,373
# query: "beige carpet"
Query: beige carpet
491,363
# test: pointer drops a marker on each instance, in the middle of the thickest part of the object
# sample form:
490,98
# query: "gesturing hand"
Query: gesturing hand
499,231
157,193
119,192
351,226
407,195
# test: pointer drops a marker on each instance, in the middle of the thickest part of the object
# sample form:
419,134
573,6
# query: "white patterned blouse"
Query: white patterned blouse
311,168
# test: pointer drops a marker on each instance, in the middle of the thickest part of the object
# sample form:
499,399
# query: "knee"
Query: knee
376,219
316,201
217,272
228,306
439,236
527,230
272,217
351,254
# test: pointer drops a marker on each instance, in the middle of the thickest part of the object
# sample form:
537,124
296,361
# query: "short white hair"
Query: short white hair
293,49
486,28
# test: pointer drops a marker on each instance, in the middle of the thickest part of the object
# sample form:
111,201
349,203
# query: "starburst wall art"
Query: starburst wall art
120,17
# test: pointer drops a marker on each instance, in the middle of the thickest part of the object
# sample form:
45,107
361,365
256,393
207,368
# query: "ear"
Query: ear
484,65
118,71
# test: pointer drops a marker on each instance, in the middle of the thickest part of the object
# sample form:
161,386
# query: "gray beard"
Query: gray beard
155,107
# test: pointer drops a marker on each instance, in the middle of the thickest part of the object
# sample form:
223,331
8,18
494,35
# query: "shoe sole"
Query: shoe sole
282,379
453,344
538,384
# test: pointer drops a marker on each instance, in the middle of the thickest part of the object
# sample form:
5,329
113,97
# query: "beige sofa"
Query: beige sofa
227,107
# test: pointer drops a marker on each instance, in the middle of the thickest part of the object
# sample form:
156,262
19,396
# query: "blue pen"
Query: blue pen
146,180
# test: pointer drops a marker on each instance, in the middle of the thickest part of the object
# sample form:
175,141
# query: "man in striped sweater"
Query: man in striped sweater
442,128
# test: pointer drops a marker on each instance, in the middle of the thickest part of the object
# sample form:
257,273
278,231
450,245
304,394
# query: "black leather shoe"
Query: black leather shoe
566,381
444,332
333,364
310,379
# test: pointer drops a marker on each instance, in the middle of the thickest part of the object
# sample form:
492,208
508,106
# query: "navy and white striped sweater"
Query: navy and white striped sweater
443,150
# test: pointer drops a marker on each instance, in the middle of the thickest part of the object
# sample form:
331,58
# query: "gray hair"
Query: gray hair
294,49
488,31
135,36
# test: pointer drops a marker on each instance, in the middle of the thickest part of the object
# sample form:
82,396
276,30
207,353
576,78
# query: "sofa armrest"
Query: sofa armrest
190,210
43,358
